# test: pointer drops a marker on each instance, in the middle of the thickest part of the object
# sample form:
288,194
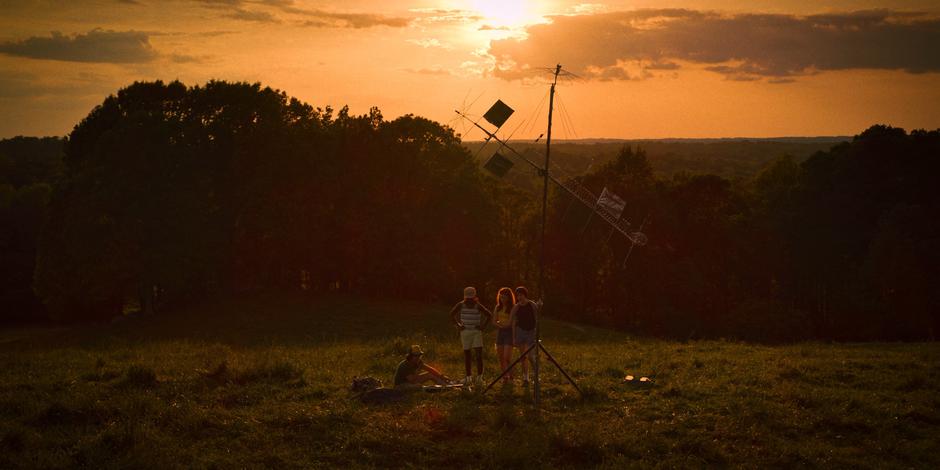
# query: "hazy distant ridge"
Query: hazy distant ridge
731,157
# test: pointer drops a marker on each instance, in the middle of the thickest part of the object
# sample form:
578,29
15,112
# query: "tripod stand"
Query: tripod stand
524,356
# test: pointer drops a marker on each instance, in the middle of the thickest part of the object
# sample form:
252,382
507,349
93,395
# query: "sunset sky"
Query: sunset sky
646,69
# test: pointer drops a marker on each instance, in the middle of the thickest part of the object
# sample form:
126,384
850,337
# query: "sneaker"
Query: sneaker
479,381
468,381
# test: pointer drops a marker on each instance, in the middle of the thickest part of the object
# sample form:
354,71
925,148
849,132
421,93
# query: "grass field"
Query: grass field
265,383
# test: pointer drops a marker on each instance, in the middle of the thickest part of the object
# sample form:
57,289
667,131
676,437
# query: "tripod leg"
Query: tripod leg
553,361
508,369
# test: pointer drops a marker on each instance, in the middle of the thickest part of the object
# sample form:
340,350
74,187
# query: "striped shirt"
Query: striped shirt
470,316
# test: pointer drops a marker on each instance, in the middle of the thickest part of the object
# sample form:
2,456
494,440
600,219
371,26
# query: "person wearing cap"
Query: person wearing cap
471,318
413,372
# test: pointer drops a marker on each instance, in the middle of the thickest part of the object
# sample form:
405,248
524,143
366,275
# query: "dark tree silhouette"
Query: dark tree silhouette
168,193
172,193
29,167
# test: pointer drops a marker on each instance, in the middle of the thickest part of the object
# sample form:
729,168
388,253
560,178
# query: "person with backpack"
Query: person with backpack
471,318
524,321
505,300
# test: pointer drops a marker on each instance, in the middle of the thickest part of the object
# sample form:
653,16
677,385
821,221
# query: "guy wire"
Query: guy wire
532,119
567,116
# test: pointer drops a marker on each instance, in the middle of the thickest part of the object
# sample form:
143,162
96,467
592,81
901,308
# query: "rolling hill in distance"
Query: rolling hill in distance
732,158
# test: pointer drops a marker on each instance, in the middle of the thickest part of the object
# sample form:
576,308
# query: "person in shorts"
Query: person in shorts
471,318
505,299
524,319
412,372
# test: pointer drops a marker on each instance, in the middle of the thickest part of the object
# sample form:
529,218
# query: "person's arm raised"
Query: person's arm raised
453,316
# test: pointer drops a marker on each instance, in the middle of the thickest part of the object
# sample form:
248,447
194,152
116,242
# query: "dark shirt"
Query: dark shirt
405,368
525,317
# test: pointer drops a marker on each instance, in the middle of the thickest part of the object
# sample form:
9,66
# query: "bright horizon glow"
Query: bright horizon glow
761,70
506,13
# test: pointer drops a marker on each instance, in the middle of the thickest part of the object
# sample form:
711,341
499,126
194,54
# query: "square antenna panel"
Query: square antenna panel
498,113
611,203
498,165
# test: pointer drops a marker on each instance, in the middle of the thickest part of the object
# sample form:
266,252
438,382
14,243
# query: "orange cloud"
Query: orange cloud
741,47
98,45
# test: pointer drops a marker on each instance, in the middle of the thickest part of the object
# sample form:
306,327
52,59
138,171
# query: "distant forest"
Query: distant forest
728,158
166,194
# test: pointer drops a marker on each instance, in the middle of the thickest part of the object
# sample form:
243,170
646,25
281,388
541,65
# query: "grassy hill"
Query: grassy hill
264,383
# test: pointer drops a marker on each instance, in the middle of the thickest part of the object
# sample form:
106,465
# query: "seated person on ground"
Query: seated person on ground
414,372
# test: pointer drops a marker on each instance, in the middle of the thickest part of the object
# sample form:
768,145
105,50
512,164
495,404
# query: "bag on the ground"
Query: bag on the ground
364,384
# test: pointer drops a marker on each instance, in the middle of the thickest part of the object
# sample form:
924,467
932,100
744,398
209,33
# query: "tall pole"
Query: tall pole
548,150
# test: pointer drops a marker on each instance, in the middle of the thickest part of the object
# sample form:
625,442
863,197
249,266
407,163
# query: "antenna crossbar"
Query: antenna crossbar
572,187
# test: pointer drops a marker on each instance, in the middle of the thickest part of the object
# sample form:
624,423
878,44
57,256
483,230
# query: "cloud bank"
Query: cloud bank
326,19
313,18
98,45
632,45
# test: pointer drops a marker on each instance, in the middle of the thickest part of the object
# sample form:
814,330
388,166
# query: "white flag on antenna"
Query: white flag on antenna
610,203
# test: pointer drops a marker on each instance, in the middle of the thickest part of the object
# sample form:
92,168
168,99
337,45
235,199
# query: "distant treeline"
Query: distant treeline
165,194
728,158
845,245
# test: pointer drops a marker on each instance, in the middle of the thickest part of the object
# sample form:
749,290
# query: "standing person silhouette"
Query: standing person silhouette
471,318
505,300
524,318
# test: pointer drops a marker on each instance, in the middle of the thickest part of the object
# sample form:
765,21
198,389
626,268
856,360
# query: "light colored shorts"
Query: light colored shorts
471,339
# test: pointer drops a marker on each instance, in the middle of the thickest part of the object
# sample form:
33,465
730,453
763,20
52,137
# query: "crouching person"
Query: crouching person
413,372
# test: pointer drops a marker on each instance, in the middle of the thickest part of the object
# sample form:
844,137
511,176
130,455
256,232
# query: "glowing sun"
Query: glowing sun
505,13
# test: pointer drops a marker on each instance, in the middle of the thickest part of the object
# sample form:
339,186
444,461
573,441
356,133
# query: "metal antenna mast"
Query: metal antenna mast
548,151
500,165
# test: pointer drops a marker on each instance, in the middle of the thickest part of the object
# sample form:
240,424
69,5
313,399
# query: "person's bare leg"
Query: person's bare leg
478,352
505,358
502,360
525,365
436,373
512,373
467,360
429,377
